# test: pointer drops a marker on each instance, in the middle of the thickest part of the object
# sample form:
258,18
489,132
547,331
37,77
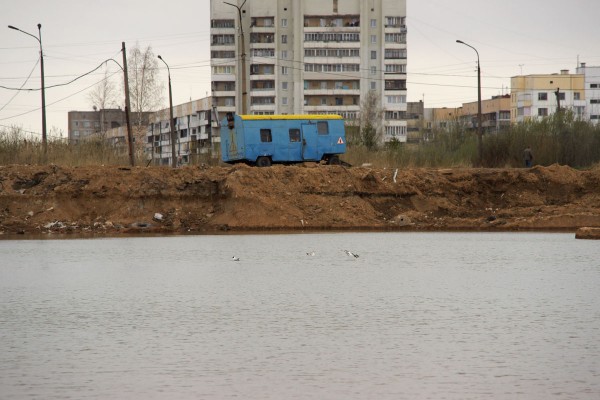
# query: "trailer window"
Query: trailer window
265,135
323,128
294,135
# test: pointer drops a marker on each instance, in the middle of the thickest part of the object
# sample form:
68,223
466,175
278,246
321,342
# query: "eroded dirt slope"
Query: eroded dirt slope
112,200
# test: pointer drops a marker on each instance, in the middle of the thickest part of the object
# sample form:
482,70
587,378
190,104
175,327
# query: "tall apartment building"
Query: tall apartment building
592,92
311,57
535,96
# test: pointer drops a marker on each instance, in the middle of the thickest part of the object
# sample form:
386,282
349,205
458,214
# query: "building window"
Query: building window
283,38
373,39
373,85
284,101
284,86
398,99
284,70
543,96
323,128
284,22
373,23
542,112
339,101
294,135
373,55
265,135
594,85
373,70
594,101
284,54
561,96
576,96
323,101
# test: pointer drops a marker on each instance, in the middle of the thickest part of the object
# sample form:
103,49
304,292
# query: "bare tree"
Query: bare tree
145,90
104,95
370,120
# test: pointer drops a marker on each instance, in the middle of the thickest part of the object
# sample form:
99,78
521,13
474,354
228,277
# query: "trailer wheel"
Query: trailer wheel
263,162
333,160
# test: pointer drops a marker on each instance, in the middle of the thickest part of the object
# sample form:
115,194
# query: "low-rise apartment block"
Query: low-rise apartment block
193,122
539,96
592,92
85,124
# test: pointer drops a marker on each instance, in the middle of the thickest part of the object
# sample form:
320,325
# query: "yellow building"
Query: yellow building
538,96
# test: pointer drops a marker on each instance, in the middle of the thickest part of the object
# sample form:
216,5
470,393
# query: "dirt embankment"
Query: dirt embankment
112,200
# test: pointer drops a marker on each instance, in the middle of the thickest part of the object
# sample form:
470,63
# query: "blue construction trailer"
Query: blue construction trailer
266,139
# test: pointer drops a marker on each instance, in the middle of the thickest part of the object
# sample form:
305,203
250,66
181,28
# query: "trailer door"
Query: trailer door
309,142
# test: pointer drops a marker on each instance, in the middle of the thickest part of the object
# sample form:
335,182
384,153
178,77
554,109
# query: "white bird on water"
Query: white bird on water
351,254
234,258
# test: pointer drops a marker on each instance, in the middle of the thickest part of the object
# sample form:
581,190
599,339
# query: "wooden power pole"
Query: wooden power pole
127,107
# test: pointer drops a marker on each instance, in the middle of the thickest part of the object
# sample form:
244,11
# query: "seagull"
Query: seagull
311,253
234,258
351,254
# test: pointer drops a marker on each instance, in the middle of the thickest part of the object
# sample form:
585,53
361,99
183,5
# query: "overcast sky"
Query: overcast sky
512,37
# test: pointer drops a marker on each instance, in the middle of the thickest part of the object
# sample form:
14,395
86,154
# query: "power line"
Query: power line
17,92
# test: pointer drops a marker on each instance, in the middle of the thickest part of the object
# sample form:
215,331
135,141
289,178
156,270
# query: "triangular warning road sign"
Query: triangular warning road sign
340,140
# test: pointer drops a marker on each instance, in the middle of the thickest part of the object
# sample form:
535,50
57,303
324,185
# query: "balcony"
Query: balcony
331,92
262,107
331,109
328,21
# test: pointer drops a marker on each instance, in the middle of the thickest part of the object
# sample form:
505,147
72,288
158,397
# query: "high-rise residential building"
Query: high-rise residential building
592,92
311,57
538,96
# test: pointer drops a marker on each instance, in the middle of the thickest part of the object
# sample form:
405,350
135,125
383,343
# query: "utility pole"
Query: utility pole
127,106
243,58
39,39
557,93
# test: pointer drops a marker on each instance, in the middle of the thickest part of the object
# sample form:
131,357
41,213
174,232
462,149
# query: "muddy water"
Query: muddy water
415,316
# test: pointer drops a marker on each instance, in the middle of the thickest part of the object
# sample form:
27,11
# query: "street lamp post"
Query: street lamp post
39,39
173,156
479,122
243,58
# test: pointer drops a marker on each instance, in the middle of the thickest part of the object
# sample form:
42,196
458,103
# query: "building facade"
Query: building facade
193,130
495,113
84,124
538,96
591,76
311,57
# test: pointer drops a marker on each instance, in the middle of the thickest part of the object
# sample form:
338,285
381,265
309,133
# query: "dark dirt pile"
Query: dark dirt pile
113,200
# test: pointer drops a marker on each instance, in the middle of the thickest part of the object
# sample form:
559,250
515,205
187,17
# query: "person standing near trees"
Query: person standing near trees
528,157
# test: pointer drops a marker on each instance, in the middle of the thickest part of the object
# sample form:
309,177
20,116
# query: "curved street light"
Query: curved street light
242,75
173,157
479,123
39,39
